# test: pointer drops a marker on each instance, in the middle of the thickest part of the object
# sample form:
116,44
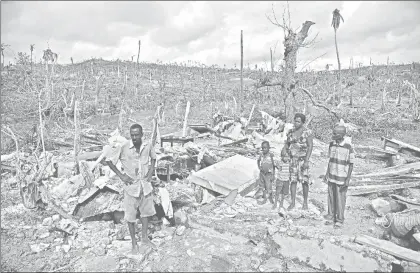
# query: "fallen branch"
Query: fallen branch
318,104
67,265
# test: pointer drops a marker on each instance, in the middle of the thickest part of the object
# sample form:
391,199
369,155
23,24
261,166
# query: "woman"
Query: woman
298,147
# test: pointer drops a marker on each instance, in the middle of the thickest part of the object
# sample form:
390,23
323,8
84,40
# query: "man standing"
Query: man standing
137,173
340,167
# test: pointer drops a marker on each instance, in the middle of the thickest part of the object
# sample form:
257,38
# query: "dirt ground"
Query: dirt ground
255,239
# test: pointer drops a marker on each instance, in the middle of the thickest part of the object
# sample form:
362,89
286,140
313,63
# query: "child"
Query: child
267,171
282,181
340,167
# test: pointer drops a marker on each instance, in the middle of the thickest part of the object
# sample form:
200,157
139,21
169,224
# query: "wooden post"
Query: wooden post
76,137
138,55
271,58
187,111
242,67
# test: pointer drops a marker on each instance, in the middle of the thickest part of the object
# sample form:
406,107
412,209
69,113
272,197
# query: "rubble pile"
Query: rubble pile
207,185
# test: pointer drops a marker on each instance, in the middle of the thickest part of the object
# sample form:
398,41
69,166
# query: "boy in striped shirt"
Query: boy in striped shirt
340,167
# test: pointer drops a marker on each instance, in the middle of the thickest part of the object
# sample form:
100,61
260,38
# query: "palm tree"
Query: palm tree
31,48
337,18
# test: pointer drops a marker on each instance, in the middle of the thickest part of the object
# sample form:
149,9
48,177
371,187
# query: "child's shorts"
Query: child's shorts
283,186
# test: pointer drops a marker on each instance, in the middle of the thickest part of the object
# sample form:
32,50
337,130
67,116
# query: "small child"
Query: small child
282,181
267,172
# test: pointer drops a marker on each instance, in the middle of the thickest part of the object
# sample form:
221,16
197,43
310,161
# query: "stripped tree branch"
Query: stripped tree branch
318,104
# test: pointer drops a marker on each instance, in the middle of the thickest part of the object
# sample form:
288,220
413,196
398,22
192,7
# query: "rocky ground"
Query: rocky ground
243,237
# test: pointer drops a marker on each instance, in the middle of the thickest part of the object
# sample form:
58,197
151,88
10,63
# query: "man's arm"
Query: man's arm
351,160
328,166
347,182
124,177
310,143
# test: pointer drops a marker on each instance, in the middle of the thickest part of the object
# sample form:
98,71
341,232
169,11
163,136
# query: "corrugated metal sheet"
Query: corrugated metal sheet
236,172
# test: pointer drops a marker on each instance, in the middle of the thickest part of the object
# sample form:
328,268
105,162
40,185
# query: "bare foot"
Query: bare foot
274,206
135,249
148,243
305,206
292,206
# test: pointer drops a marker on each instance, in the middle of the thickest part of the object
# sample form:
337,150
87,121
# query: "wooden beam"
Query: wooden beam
389,248
379,188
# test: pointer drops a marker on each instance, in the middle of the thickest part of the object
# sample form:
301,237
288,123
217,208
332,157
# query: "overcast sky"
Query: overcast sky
209,32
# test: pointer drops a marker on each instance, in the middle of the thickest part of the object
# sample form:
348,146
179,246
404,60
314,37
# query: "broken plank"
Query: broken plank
235,142
405,200
396,170
379,188
401,146
237,150
389,248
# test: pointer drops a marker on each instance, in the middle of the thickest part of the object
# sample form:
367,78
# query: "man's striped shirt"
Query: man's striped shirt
341,156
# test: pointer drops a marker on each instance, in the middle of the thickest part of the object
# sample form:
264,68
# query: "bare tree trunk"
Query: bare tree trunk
76,137
97,89
242,67
271,58
138,55
124,92
291,46
383,101
339,68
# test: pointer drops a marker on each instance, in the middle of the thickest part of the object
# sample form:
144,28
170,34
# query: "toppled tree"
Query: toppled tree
293,40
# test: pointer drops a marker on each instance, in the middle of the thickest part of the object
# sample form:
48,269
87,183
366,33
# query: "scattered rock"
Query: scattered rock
124,261
255,262
120,233
371,230
291,233
105,241
180,217
66,248
56,218
190,253
47,221
20,235
295,214
99,250
85,245
44,235
282,229
272,230
180,230
272,265
39,247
